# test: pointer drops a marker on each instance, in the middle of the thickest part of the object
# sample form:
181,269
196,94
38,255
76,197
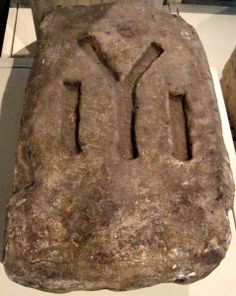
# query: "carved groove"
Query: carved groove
152,53
86,41
75,87
180,130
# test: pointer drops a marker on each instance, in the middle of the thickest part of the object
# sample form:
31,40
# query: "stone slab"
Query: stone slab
228,83
84,170
220,283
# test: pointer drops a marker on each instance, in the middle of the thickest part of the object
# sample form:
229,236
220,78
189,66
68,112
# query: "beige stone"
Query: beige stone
122,179
228,83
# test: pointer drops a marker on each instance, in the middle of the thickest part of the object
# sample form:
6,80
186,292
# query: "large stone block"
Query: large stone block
122,179
228,83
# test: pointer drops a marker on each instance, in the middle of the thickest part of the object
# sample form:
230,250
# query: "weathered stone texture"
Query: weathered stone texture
228,83
122,179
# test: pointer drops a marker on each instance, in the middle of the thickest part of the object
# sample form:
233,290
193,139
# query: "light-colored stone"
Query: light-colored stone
228,83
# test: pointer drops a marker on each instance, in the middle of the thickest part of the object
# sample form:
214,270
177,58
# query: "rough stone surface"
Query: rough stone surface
122,179
228,83
43,7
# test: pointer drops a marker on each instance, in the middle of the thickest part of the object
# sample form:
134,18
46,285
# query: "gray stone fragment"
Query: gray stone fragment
122,179
228,84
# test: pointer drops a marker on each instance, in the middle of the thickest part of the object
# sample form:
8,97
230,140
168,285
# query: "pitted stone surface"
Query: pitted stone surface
122,179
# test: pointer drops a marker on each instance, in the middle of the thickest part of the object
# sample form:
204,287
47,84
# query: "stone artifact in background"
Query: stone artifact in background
122,179
228,84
